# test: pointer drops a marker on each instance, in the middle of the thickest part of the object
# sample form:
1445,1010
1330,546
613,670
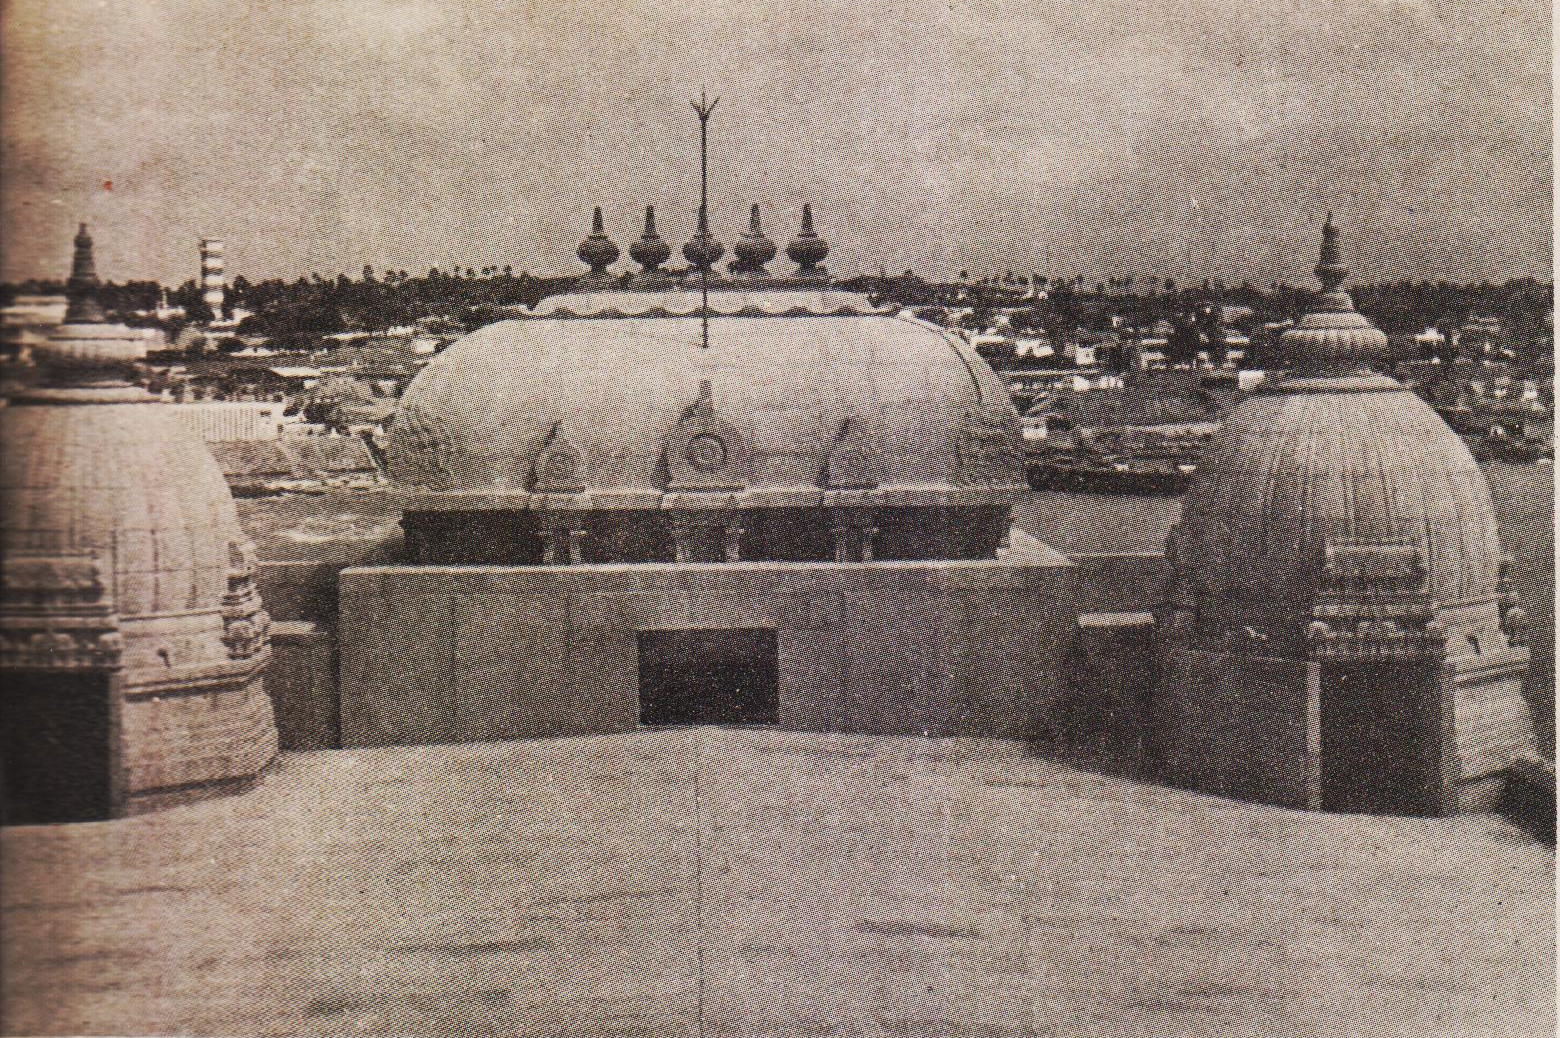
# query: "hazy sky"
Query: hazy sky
1191,138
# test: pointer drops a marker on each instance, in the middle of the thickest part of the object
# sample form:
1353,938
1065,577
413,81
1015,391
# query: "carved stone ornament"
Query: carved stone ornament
704,452
853,462
989,448
559,467
1354,568
51,581
246,628
55,614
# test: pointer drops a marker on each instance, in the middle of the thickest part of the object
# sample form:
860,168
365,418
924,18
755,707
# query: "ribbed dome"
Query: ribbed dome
1333,453
612,373
123,555
1313,459
127,481
1332,333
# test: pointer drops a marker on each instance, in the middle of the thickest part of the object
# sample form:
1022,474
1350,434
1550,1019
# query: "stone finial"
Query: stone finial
86,349
1331,270
597,250
650,250
82,288
702,250
1331,334
807,250
752,250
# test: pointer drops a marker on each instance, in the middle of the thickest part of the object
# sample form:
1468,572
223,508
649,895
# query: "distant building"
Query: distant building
220,420
213,276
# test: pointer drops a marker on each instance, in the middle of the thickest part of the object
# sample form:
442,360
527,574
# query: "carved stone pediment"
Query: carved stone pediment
559,467
56,613
853,462
705,452
46,581
989,447
1354,568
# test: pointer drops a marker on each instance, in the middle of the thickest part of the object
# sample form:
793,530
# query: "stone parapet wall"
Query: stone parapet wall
451,654
1241,726
301,680
1492,723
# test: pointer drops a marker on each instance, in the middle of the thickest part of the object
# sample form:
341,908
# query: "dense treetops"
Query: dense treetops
313,306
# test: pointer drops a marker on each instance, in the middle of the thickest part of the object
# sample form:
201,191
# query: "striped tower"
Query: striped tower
213,278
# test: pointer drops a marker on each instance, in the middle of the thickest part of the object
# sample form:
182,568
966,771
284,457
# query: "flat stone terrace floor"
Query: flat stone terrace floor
762,883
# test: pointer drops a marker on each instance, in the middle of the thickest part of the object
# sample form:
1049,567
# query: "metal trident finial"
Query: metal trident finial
704,108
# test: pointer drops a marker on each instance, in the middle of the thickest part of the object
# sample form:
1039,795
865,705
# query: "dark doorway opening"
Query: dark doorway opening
59,752
1381,744
725,677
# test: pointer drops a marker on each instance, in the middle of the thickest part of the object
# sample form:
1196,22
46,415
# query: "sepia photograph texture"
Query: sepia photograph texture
762,519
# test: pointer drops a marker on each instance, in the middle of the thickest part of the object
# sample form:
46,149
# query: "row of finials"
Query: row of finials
751,252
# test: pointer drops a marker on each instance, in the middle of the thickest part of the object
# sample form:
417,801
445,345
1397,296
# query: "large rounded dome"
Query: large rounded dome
792,372
124,481
1342,458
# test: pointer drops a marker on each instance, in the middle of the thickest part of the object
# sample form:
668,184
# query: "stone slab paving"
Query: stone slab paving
759,883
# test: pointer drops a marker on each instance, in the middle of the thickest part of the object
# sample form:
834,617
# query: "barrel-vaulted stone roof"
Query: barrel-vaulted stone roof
803,378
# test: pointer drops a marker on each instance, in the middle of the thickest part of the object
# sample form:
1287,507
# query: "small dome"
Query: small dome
702,250
807,250
1332,454
597,250
1332,332
122,546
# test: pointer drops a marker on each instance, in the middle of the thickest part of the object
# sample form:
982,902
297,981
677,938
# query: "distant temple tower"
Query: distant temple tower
213,276
1339,634
132,640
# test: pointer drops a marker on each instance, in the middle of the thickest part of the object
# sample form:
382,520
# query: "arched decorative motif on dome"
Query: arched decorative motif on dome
853,462
1359,568
705,452
987,447
559,467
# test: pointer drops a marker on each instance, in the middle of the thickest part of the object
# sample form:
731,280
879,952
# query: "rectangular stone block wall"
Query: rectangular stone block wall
304,591
1119,583
1492,725
1242,726
301,680
452,654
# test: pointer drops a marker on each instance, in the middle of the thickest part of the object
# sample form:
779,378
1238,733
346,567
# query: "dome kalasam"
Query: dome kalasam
613,372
